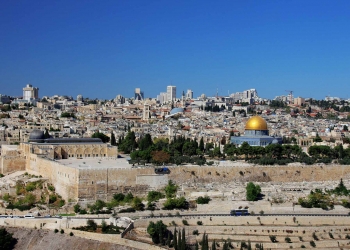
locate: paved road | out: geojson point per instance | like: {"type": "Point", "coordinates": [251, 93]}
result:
{"type": "Point", "coordinates": [256, 215]}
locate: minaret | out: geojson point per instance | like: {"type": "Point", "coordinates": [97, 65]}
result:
{"type": "Point", "coordinates": [146, 111]}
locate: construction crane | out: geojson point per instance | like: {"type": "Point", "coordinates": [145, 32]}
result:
{"type": "Point", "coordinates": [290, 96]}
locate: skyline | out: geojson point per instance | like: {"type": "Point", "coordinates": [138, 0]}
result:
{"type": "Point", "coordinates": [103, 49]}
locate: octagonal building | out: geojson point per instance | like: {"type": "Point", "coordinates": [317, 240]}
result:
{"type": "Point", "coordinates": [256, 133]}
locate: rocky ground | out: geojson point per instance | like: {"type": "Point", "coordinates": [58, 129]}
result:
{"type": "Point", "coordinates": [35, 239]}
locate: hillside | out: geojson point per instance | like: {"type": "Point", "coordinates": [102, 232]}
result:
{"type": "Point", "coordinates": [35, 239]}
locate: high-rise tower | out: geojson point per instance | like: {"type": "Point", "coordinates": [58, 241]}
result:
{"type": "Point", "coordinates": [171, 93]}
{"type": "Point", "coordinates": [30, 93]}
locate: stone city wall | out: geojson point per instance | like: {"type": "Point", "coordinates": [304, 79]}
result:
{"type": "Point", "coordinates": [294, 173]}
{"type": "Point", "coordinates": [155, 181]}
{"type": "Point", "coordinates": [10, 164]}
{"type": "Point", "coordinates": [65, 179]}
{"type": "Point", "coordinates": [102, 183]}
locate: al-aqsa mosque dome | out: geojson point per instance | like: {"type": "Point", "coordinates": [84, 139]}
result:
{"type": "Point", "coordinates": [256, 134]}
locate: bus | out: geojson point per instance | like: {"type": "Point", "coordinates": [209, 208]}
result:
{"type": "Point", "coordinates": [239, 212]}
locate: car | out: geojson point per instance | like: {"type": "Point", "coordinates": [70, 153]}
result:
{"type": "Point", "coordinates": [29, 216]}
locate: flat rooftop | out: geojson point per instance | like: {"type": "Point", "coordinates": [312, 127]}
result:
{"type": "Point", "coordinates": [96, 163]}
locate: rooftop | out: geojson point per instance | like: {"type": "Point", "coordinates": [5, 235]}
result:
{"type": "Point", "coordinates": [96, 163]}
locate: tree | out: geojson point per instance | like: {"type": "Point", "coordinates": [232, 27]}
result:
{"type": "Point", "coordinates": [201, 144]}
{"type": "Point", "coordinates": [29, 199]}
{"type": "Point", "coordinates": [104, 138]}
{"type": "Point", "coordinates": [129, 143]}
{"type": "Point", "coordinates": [175, 239]}
{"type": "Point", "coordinates": [158, 231]}
{"type": "Point", "coordinates": [91, 224]}
{"type": "Point", "coordinates": [253, 191]}
{"type": "Point", "coordinates": [160, 157]}
{"type": "Point", "coordinates": [104, 226]}
{"type": "Point", "coordinates": [245, 149]}
{"type": "Point", "coordinates": [205, 243]}
{"type": "Point", "coordinates": [203, 200]}
{"type": "Point", "coordinates": [113, 141]}
{"type": "Point", "coordinates": [171, 189]}
{"type": "Point", "coordinates": [128, 197]}
{"type": "Point", "coordinates": [317, 138]}
{"type": "Point", "coordinates": [7, 242]}
{"type": "Point", "coordinates": [189, 148]}
{"type": "Point", "coordinates": [137, 204]}
{"type": "Point", "coordinates": [216, 152]}
{"type": "Point", "coordinates": [67, 115]}
{"type": "Point", "coordinates": [154, 196]}
{"type": "Point", "coordinates": [146, 142]}
{"type": "Point", "coordinates": [77, 208]}
{"type": "Point", "coordinates": [172, 203]}
{"type": "Point", "coordinates": [119, 197]}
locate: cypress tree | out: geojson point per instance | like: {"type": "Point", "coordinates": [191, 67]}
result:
{"type": "Point", "coordinates": [183, 243]}
{"type": "Point", "coordinates": [196, 246]}
{"type": "Point", "coordinates": [249, 245]}
{"type": "Point", "coordinates": [175, 239]}
{"type": "Point", "coordinates": [213, 245]}
{"type": "Point", "coordinates": [201, 144]}
{"type": "Point", "coordinates": [113, 142]}
{"type": "Point", "coordinates": [225, 247]}
{"type": "Point", "coordinates": [203, 242]}
{"type": "Point", "coordinates": [168, 240]}
{"type": "Point", "coordinates": [179, 240]}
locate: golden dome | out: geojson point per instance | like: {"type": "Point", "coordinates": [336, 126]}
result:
{"type": "Point", "coordinates": [256, 123]}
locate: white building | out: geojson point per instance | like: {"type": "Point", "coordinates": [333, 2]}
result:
{"type": "Point", "coordinates": [189, 94]}
{"type": "Point", "coordinates": [162, 97]}
{"type": "Point", "coordinates": [171, 93]}
{"type": "Point", "coordinates": [30, 93]}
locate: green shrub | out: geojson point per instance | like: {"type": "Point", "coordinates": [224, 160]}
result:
{"type": "Point", "coordinates": [56, 230]}
{"type": "Point", "coordinates": [52, 198]}
{"type": "Point", "coordinates": [331, 235]}
{"type": "Point", "coordinates": [199, 223]}
{"type": "Point", "coordinates": [185, 222]}
{"type": "Point", "coordinates": [154, 196]}
{"type": "Point", "coordinates": [71, 234]}
{"type": "Point", "coordinates": [127, 210]}
{"type": "Point", "coordinates": [273, 238]}
{"type": "Point", "coordinates": [203, 200]}
{"type": "Point", "coordinates": [288, 240]}
{"type": "Point", "coordinates": [195, 232]}
{"type": "Point", "coordinates": [312, 243]}
{"type": "Point", "coordinates": [172, 203]}
{"type": "Point", "coordinates": [62, 231]}
{"type": "Point", "coordinates": [30, 186]}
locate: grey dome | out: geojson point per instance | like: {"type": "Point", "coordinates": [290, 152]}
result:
{"type": "Point", "coordinates": [176, 110]}
{"type": "Point", "coordinates": [36, 135]}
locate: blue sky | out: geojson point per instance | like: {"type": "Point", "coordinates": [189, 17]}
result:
{"type": "Point", "coordinates": [103, 48]}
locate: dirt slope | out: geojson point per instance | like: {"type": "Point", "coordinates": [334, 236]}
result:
{"type": "Point", "coordinates": [35, 239]}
